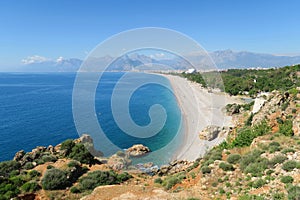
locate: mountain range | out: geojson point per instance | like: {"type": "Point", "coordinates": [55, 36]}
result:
{"type": "Point", "coordinates": [224, 59]}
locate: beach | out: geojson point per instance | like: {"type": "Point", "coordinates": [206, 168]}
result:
{"type": "Point", "coordinates": [199, 108]}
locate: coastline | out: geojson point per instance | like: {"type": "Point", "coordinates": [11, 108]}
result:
{"type": "Point", "coordinates": [199, 108]}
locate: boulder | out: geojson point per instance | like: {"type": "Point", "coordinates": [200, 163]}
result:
{"type": "Point", "coordinates": [88, 142]}
{"type": "Point", "coordinates": [19, 155]}
{"type": "Point", "coordinates": [296, 125]}
{"type": "Point", "coordinates": [138, 150]}
{"type": "Point", "coordinates": [117, 163]}
{"type": "Point", "coordinates": [212, 132]}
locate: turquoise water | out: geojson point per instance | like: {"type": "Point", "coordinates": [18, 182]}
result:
{"type": "Point", "coordinates": [36, 109]}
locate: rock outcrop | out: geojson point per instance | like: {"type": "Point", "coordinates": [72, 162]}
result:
{"type": "Point", "coordinates": [212, 132]}
{"type": "Point", "coordinates": [88, 142]}
{"type": "Point", "coordinates": [117, 162]}
{"type": "Point", "coordinates": [296, 125]}
{"type": "Point", "coordinates": [137, 150]}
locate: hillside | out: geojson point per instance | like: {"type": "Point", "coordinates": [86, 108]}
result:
{"type": "Point", "coordinates": [253, 81]}
{"type": "Point", "coordinates": [260, 159]}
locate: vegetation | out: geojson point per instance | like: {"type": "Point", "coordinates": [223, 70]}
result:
{"type": "Point", "coordinates": [233, 158]}
{"type": "Point", "coordinates": [97, 178]}
{"type": "Point", "coordinates": [226, 166]}
{"type": "Point", "coordinates": [238, 81]}
{"type": "Point", "coordinates": [55, 179]}
{"type": "Point", "coordinates": [77, 151]}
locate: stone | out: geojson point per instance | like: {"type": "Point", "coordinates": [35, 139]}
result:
{"type": "Point", "coordinates": [296, 125]}
{"type": "Point", "coordinates": [137, 150]}
{"type": "Point", "coordinates": [212, 132]}
{"type": "Point", "coordinates": [118, 163]}
{"type": "Point", "coordinates": [19, 155]}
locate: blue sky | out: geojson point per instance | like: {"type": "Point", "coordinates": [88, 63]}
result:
{"type": "Point", "coordinates": [53, 28]}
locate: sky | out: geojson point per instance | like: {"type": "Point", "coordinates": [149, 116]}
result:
{"type": "Point", "coordinates": [71, 29]}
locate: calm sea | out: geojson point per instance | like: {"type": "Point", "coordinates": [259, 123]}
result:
{"type": "Point", "coordinates": [36, 110]}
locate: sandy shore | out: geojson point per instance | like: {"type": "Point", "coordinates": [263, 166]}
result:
{"type": "Point", "coordinates": [200, 108]}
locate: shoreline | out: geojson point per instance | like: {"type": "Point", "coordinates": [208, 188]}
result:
{"type": "Point", "coordinates": [199, 108]}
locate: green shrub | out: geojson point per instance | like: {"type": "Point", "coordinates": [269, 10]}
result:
{"type": "Point", "coordinates": [288, 150]}
{"type": "Point", "coordinates": [249, 158]}
{"type": "Point", "coordinates": [205, 170]}
{"type": "Point", "coordinates": [258, 183]}
{"type": "Point", "coordinates": [34, 174]}
{"type": "Point", "coordinates": [74, 163]}
{"type": "Point", "coordinates": [7, 167]}
{"type": "Point", "coordinates": [233, 158]}
{"type": "Point", "coordinates": [277, 159]}
{"type": "Point", "coordinates": [30, 186]}
{"type": "Point", "coordinates": [158, 180]}
{"type": "Point", "coordinates": [278, 196]}
{"type": "Point", "coordinates": [293, 192]}
{"type": "Point", "coordinates": [49, 158]}
{"type": "Point", "coordinates": [81, 154]}
{"type": "Point", "coordinates": [284, 106]}
{"type": "Point", "coordinates": [289, 165]}
{"type": "Point", "coordinates": [50, 167]}
{"type": "Point", "coordinates": [258, 167]}
{"type": "Point", "coordinates": [172, 181]}
{"type": "Point", "coordinates": [214, 184]}
{"type": "Point", "coordinates": [286, 128]}
{"type": "Point", "coordinates": [28, 165]}
{"type": "Point", "coordinates": [74, 190]}
{"type": "Point", "coordinates": [269, 172]}
{"type": "Point", "coordinates": [55, 179]}
{"type": "Point", "coordinates": [287, 179]}
{"type": "Point", "coordinates": [97, 178]}
{"type": "Point", "coordinates": [274, 144]}
{"type": "Point", "coordinates": [226, 166]}
{"type": "Point", "coordinates": [67, 146]}
{"type": "Point", "coordinates": [251, 197]}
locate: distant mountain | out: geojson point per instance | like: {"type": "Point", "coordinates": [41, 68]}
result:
{"type": "Point", "coordinates": [244, 59]}
{"type": "Point", "coordinates": [223, 59]}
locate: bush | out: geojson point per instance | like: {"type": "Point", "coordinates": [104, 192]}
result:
{"type": "Point", "coordinates": [97, 178]}
{"type": "Point", "coordinates": [172, 181]}
{"type": "Point", "coordinates": [74, 163]}
{"type": "Point", "coordinates": [48, 158]}
{"type": "Point", "coordinates": [50, 167]}
{"type": "Point", "coordinates": [55, 179]}
{"type": "Point", "coordinates": [293, 192]}
{"type": "Point", "coordinates": [226, 166]}
{"type": "Point", "coordinates": [247, 135]}
{"type": "Point", "coordinates": [81, 154]}
{"type": "Point", "coordinates": [233, 158]}
{"type": "Point", "coordinates": [278, 196]}
{"type": "Point", "coordinates": [158, 180]}
{"type": "Point", "coordinates": [7, 167]}
{"type": "Point", "coordinates": [277, 159]}
{"type": "Point", "coordinates": [249, 158]}
{"type": "Point", "coordinates": [286, 128]}
{"type": "Point", "coordinates": [289, 165]}
{"type": "Point", "coordinates": [258, 183]}
{"type": "Point", "coordinates": [205, 170]}
{"type": "Point", "coordinates": [30, 186]}
{"type": "Point", "coordinates": [28, 165]}
{"type": "Point", "coordinates": [34, 174]}
{"type": "Point", "coordinates": [287, 179]}
{"type": "Point", "coordinates": [67, 146]}
{"type": "Point", "coordinates": [288, 150]}
{"type": "Point", "coordinates": [74, 190]}
{"type": "Point", "coordinates": [258, 167]}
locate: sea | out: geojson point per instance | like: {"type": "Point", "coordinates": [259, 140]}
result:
{"type": "Point", "coordinates": [36, 110]}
